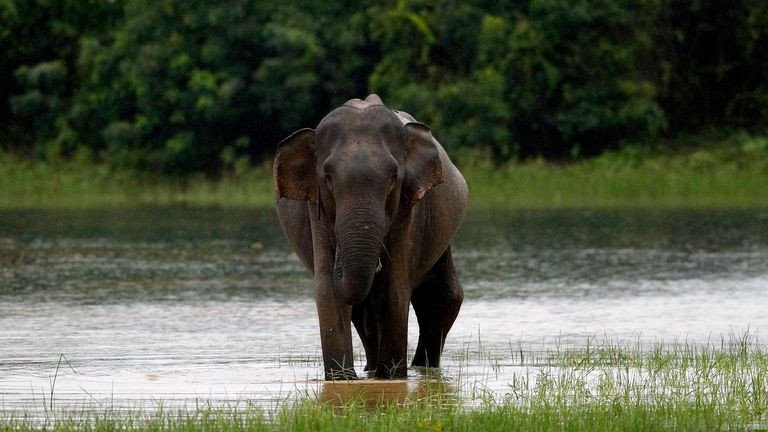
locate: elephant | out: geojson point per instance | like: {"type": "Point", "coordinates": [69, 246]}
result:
{"type": "Point", "coordinates": [370, 202]}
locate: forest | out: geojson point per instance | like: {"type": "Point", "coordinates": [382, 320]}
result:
{"type": "Point", "coordinates": [187, 87]}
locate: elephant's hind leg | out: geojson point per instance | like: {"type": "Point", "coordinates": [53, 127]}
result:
{"type": "Point", "coordinates": [436, 302]}
{"type": "Point", "coordinates": [364, 319]}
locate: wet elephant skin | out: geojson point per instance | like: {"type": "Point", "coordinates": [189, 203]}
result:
{"type": "Point", "coordinates": [370, 202]}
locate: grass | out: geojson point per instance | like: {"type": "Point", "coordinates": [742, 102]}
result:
{"type": "Point", "coordinates": [716, 171]}
{"type": "Point", "coordinates": [74, 184]}
{"type": "Point", "coordinates": [725, 170]}
{"type": "Point", "coordinates": [599, 386]}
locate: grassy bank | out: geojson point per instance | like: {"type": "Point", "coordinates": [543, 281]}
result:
{"type": "Point", "coordinates": [607, 386]}
{"type": "Point", "coordinates": [714, 171]}
{"type": "Point", "coordinates": [70, 184]}
{"type": "Point", "coordinates": [717, 171]}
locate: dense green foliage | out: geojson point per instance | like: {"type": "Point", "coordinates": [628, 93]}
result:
{"type": "Point", "coordinates": [194, 86]}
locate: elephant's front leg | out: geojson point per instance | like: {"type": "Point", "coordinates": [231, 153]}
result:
{"type": "Point", "coordinates": [335, 317]}
{"type": "Point", "coordinates": [335, 331]}
{"type": "Point", "coordinates": [393, 307]}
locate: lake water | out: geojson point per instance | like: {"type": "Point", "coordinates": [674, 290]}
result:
{"type": "Point", "coordinates": [174, 305]}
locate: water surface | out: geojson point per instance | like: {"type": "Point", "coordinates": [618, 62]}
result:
{"type": "Point", "coordinates": [178, 305]}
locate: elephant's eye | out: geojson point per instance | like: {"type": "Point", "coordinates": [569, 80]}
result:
{"type": "Point", "coordinates": [328, 180]}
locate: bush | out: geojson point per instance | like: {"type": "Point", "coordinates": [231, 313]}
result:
{"type": "Point", "coordinates": [192, 86]}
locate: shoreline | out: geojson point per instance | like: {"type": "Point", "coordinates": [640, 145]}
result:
{"type": "Point", "coordinates": [723, 173]}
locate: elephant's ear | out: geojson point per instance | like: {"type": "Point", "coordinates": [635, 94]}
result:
{"type": "Point", "coordinates": [294, 169]}
{"type": "Point", "coordinates": [423, 168]}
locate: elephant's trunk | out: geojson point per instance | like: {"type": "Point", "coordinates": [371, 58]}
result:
{"type": "Point", "coordinates": [359, 235]}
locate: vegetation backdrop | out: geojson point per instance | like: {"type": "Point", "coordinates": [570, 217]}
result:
{"type": "Point", "coordinates": [179, 87]}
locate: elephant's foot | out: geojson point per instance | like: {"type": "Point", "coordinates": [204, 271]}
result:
{"type": "Point", "coordinates": [392, 369]}
{"type": "Point", "coordinates": [347, 374]}
{"type": "Point", "coordinates": [340, 370]}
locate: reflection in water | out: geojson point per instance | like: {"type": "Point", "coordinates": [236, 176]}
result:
{"type": "Point", "coordinates": [181, 304]}
{"type": "Point", "coordinates": [419, 387]}
{"type": "Point", "coordinates": [369, 392]}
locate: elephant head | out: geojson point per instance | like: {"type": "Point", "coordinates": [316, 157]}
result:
{"type": "Point", "coordinates": [364, 166]}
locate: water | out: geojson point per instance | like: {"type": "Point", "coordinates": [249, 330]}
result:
{"type": "Point", "coordinates": [172, 306]}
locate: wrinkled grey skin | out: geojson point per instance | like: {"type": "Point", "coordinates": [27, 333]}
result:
{"type": "Point", "coordinates": [370, 202]}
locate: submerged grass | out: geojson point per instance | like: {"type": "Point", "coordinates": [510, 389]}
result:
{"type": "Point", "coordinates": [725, 170]}
{"type": "Point", "coordinates": [596, 386]}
